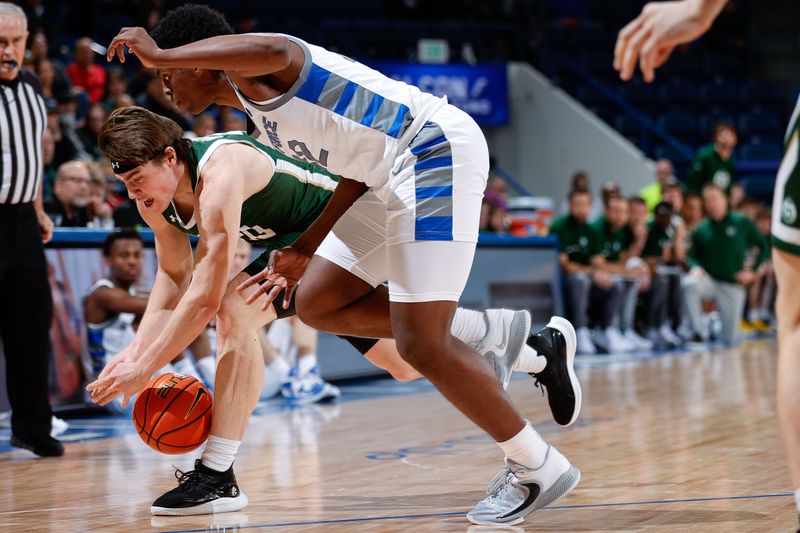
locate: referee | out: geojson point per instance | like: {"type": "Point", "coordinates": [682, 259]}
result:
{"type": "Point", "coordinates": [25, 301]}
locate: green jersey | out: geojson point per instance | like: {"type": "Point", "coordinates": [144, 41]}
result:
{"type": "Point", "coordinates": [657, 238]}
{"type": "Point", "coordinates": [277, 214]}
{"type": "Point", "coordinates": [612, 242]}
{"type": "Point", "coordinates": [785, 219]}
{"type": "Point", "coordinates": [578, 240]}
{"type": "Point", "coordinates": [721, 247]}
{"type": "Point", "coordinates": [707, 166]}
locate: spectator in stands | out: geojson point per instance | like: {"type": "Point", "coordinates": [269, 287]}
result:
{"type": "Point", "coordinates": [40, 51]}
{"type": "Point", "coordinates": [68, 146]}
{"type": "Point", "coordinates": [486, 210]}
{"type": "Point", "coordinates": [621, 252]}
{"type": "Point", "coordinates": [67, 208]}
{"type": "Point", "coordinates": [737, 197]}
{"type": "Point", "coordinates": [718, 271]}
{"type": "Point", "coordinates": [95, 119]}
{"type": "Point", "coordinates": [154, 99]}
{"type": "Point", "coordinates": [692, 212]}
{"type": "Point", "coordinates": [665, 254]}
{"type": "Point", "coordinates": [498, 219]}
{"type": "Point", "coordinates": [84, 73]}
{"type": "Point", "coordinates": [50, 170]}
{"type": "Point", "coordinates": [55, 89]}
{"type": "Point", "coordinates": [204, 124]}
{"type": "Point", "coordinates": [497, 188]}
{"type": "Point", "coordinates": [98, 211]}
{"type": "Point", "coordinates": [665, 173]}
{"type": "Point", "coordinates": [116, 86]}
{"type": "Point", "coordinates": [714, 163]}
{"type": "Point", "coordinates": [233, 120]}
{"type": "Point", "coordinates": [585, 276]}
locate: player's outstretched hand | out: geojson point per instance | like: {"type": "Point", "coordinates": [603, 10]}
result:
{"type": "Point", "coordinates": [122, 375]}
{"type": "Point", "coordinates": [651, 37]}
{"type": "Point", "coordinates": [286, 267]}
{"type": "Point", "coordinates": [138, 42]}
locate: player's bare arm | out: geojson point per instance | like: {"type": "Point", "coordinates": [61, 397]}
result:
{"type": "Point", "coordinates": [247, 55]}
{"type": "Point", "coordinates": [106, 300]}
{"type": "Point", "coordinates": [287, 265]}
{"type": "Point", "coordinates": [650, 38]}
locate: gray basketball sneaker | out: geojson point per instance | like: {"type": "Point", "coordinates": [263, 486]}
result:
{"type": "Point", "coordinates": [506, 333]}
{"type": "Point", "coordinates": [516, 490]}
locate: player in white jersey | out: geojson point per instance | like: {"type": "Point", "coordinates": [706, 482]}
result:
{"type": "Point", "coordinates": [649, 40]}
{"type": "Point", "coordinates": [406, 211]}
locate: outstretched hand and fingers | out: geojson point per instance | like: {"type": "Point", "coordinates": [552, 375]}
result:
{"type": "Point", "coordinates": [284, 270]}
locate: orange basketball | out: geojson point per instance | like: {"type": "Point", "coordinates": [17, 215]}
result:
{"type": "Point", "coordinates": [172, 414]}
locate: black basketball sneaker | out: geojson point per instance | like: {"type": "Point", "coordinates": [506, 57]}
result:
{"type": "Point", "coordinates": [557, 343]}
{"type": "Point", "coordinates": [201, 491]}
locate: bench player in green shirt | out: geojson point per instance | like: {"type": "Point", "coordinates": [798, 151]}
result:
{"type": "Point", "coordinates": [218, 188]}
{"type": "Point", "coordinates": [586, 278]}
{"type": "Point", "coordinates": [622, 251]}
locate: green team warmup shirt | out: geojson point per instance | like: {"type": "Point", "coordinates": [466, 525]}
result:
{"type": "Point", "coordinates": [612, 243]}
{"type": "Point", "coordinates": [657, 238]}
{"type": "Point", "coordinates": [579, 241]}
{"type": "Point", "coordinates": [720, 247]}
{"type": "Point", "coordinates": [276, 215]}
{"type": "Point", "coordinates": [708, 166]}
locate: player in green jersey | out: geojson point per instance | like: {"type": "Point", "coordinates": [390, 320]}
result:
{"type": "Point", "coordinates": [219, 188]}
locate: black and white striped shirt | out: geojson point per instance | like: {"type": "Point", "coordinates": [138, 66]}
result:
{"type": "Point", "coordinates": [22, 125]}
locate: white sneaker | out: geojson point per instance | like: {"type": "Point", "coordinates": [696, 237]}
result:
{"type": "Point", "coordinates": [506, 333]}
{"type": "Point", "coordinates": [516, 490]}
{"type": "Point", "coordinates": [637, 341]}
{"type": "Point", "coordinates": [310, 388]}
{"type": "Point", "coordinates": [58, 426]}
{"type": "Point", "coordinates": [585, 345]}
{"type": "Point", "coordinates": [669, 336]}
{"type": "Point", "coordinates": [610, 340]}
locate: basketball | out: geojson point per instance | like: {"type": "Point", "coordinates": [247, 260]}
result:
{"type": "Point", "coordinates": [172, 414]}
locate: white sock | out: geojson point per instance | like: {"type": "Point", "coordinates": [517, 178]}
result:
{"type": "Point", "coordinates": [753, 315]}
{"type": "Point", "coordinates": [797, 499]}
{"type": "Point", "coordinates": [529, 361]}
{"type": "Point", "coordinates": [207, 367]}
{"type": "Point", "coordinates": [185, 366]}
{"type": "Point", "coordinates": [306, 363]}
{"type": "Point", "coordinates": [220, 453]}
{"type": "Point", "coordinates": [468, 325]}
{"type": "Point", "coordinates": [526, 447]}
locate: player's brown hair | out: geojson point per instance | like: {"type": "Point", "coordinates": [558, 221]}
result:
{"type": "Point", "coordinates": [136, 135]}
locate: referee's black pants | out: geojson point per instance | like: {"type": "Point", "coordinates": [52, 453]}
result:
{"type": "Point", "coordinates": [26, 310]}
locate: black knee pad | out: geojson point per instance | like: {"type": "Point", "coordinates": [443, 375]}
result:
{"type": "Point", "coordinates": [360, 343]}
{"type": "Point", "coordinates": [277, 303]}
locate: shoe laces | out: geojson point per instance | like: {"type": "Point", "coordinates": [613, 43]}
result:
{"type": "Point", "coordinates": [538, 384]}
{"type": "Point", "coordinates": [500, 481]}
{"type": "Point", "coordinates": [189, 478]}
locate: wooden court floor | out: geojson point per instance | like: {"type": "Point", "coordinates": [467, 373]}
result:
{"type": "Point", "coordinates": [682, 442]}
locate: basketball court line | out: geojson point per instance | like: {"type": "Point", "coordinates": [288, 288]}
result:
{"type": "Point", "coordinates": [462, 513]}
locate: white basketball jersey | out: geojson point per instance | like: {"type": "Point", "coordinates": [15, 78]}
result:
{"type": "Point", "coordinates": [342, 115]}
{"type": "Point", "coordinates": [114, 334]}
